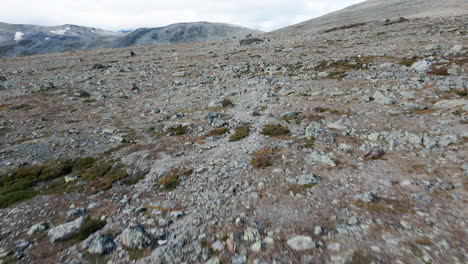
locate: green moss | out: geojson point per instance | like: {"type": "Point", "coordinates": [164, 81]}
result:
{"type": "Point", "coordinates": [26, 182]}
{"type": "Point", "coordinates": [98, 170]}
{"type": "Point", "coordinates": [19, 185]}
{"type": "Point", "coordinates": [274, 130]}
{"type": "Point", "coordinates": [240, 132]}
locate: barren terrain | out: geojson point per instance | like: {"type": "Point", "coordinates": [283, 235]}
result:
{"type": "Point", "coordinates": [347, 146]}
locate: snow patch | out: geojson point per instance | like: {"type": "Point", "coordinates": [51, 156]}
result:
{"type": "Point", "coordinates": [47, 38]}
{"type": "Point", "coordinates": [60, 31]}
{"type": "Point", "coordinates": [19, 36]}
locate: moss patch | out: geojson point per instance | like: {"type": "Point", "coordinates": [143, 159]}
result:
{"type": "Point", "coordinates": [386, 206]}
{"type": "Point", "coordinates": [274, 130]}
{"type": "Point", "coordinates": [178, 130]}
{"type": "Point", "coordinates": [47, 178]}
{"type": "Point", "coordinates": [171, 180]}
{"type": "Point", "coordinates": [218, 132]}
{"type": "Point", "coordinates": [19, 185]}
{"type": "Point", "coordinates": [263, 158]}
{"type": "Point", "coordinates": [240, 133]}
{"type": "Point", "coordinates": [299, 189]}
{"type": "Point", "coordinates": [408, 61]}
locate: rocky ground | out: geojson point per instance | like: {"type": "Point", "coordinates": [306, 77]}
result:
{"type": "Point", "coordinates": [347, 146]}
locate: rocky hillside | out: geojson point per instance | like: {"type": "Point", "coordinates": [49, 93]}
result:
{"type": "Point", "coordinates": [25, 40]}
{"type": "Point", "coordinates": [347, 146]}
{"type": "Point", "coordinates": [378, 10]}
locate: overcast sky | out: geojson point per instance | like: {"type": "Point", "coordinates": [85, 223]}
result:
{"type": "Point", "coordinates": [116, 15]}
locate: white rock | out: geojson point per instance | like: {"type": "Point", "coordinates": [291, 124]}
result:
{"type": "Point", "coordinates": [421, 66]}
{"type": "Point", "coordinates": [301, 243]}
{"type": "Point", "coordinates": [66, 229]}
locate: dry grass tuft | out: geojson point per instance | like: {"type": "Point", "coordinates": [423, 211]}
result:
{"type": "Point", "coordinates": [240, 133]}
{"type": "Point", "coordinates": [274, 130]}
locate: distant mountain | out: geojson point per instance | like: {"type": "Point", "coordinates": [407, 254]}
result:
{"type": "Point", "coordinates": [371, 10]}
{"type": "Point", "coordinates": [24, 40]}
{"type": "Point", "coordinates": [182, 32]}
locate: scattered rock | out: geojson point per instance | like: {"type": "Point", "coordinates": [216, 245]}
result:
{"type": "Point", "coordinates": [249, 41]}
{"type": "Point", "coordinates": [375, 154]}
{"type": "Point", "coordinates": [301, 243]}
{"type": "Point", "coordinates": [40, 227]}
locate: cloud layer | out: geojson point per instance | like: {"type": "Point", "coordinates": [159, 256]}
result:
{"type": "Point", "coordinates": [265, 15]}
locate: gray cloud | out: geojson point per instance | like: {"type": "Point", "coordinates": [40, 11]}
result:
{"type": "Point", "coordinates": [265, 15]}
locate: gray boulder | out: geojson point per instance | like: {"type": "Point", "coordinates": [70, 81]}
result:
{"type": "Point", "coordinates": [300, 243]}
{"type": "Point", "coordinates": [98, 244]}
{"type": "Point", "coordinates": [64, 230]}
{"type": "Point", "coordinates": [135, 237]}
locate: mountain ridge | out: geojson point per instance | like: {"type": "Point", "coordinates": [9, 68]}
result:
{"type": "Point", "coordinates": [25, 40]}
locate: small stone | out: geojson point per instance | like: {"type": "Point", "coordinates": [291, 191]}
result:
{"type": "Point", "coordinates": [334, 246]}
{"type": "Point", "coordinates": [368, 197]}
{"type": "Point", "coordinates": [256, 247]}
{"type": "Point", "coordinates": [421, 66]}
{"type": "Point", "coordinates": [218, 246]}
{"type": "Point", "coordinates": [181, 74]}
{"type": "Point", "coordinates": [251, 235]}
{"type": "Point", "coordinates": [318, 230]}
{"type": "Point", "coordinates": [3, 79]}
{"type": "Point", "coordinates": [301, 243]}
{"type": "Point", "coordinates": [38, 228]}
{"type": "Point", "coordinates": [71, 178]}
{"type": "Point", "coordinates": [76, 211]}
{"type": "Point", "coordinates": [353, 221]}
{"type": "Point", "coordinates": [374, 154]}
{"type": "Point", "coordinates": [315, 157]}
{"type": "Point", "coordinates": [98, 66]}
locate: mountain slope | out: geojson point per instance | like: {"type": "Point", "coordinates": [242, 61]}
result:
{"type": "Point", "coordinates": [24, 40]}
{"type": "Point", "coordinates": [182, 32]}
{"type": "Point", "coordinates": [380, 9]}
